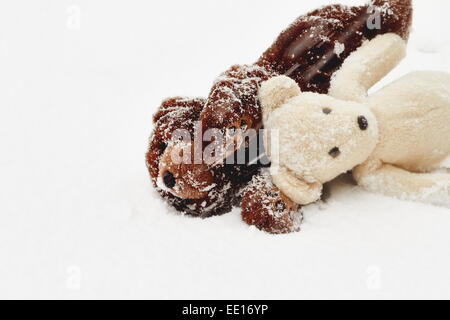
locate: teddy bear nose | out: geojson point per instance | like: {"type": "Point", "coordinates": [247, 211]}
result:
{"type": "Point", "coordinates": [363, 123]}
{"type": "Point", "coordinates": [169, 180]}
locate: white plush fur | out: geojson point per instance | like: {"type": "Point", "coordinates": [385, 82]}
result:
{"type": "Point", "coordinates": [408, 132]}
{"type": "Point", "coordinates": [366, 66]}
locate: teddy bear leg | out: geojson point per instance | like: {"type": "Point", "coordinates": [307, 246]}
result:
{"type": "Point", "coordinates": [392, 181]}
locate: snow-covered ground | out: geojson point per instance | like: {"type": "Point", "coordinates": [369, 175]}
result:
{"type": "Point", "coordinates": [79, 81]}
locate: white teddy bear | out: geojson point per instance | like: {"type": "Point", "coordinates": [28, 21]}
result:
{"type": "Point", "coordinates": [391, 140]}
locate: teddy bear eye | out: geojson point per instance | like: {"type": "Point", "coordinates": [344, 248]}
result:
{"type": "Point", "coordinates": [169, 180]}
{"type": "Point", "coordinates": [326, 110]}
{"type": "Point", "coordinates": [335, 152]}
{"type": "Point", "coordinates": [163, 146]}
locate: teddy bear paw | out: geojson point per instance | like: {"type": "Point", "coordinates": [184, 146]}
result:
{"type": "Point", "coordinates": [268, 209]}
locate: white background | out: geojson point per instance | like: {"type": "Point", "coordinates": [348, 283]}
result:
{"type": "Point", "coordinates": [79, 81]}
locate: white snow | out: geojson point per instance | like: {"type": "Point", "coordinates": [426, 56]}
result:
{"type": "Point", "coordinates": [78, 217]}
{"type": "Point", "coordinates": [339, 48]}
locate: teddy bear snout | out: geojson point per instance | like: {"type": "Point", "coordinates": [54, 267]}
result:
{"type": "Point", "coordinates": [363, 123]}
{"type": "Point", "coordinates": [181, 176]}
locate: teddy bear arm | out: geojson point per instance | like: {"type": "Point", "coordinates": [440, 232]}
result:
{"type": "Point", "coordinates": [396, 182]}
{"type": "Point", "coordinates": [366, 66]}
{"type": "Point", "coordinates": [268, 209]}
{"type": "Point", "coordinates": [296, 189]}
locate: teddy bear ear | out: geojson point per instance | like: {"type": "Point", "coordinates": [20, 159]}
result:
{"type": "Point", "coordinates": [314, 47]}
{"type": "Point", "coordinates": [175, 104]}
{"type": "Point", "coordinates": [276, 92]}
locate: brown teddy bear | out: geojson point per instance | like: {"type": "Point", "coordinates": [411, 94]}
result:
{"type": "Point", "coordinates": [310, 51]}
